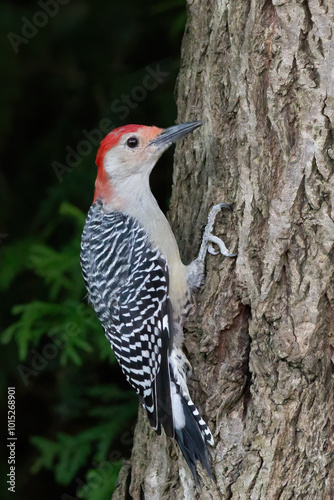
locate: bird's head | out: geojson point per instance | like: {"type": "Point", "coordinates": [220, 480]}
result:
{"type": "Point", "coordinates": [132, 151]}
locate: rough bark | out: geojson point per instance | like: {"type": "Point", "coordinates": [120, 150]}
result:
{"type": "Point", "coordinates": [260, 75]}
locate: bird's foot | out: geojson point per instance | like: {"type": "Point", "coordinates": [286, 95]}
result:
{"type": "Point", "coordinates": [209, 239]}
{"type": "Point", "coordinates": [195, 270]}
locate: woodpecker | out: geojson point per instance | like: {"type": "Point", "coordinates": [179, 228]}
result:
{"type": "Point", "coordinates": [138, 285]}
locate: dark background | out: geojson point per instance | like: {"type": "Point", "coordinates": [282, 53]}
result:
{"type": "Point", "coordinates": [61, 74]}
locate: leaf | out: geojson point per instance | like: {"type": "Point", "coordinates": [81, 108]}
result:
{"type": "Point", "coordinates": [100, 482]}
{"type": "Point", "coordinates": [74, 212]}
{"type": "Point", "coordinates": [68, 453]}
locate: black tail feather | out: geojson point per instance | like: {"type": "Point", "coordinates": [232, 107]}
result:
{"type": "Point", "coordinates": [191, 442]}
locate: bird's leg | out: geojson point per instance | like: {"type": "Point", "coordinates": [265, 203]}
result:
{"type": "Point", "coordinates": [195, 270]}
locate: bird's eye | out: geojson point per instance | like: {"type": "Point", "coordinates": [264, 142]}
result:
{"type": "Point", "coordinates": [132, 142]}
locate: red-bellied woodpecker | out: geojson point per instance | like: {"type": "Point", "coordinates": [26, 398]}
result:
{"type": "Point", "coordinates": [138, 285]}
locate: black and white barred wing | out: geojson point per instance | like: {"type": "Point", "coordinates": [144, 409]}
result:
{"type": "Point", "coordinates": [127, 281]}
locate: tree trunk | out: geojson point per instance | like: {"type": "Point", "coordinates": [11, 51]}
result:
{"type": "Point", "coordinates": [260, 75]}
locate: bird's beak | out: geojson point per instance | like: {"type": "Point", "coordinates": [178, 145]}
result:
{"type": "Point", "coordinates": [170, 134]}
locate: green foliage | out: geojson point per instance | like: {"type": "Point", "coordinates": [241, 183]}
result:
{"type": "Point", "coordinates": [70, 324]}
{"type": "Point", "coordinates": [63, 316]}
{"type": "Point", "coordinates": [98, 487]}
{"type": "Point", "coordinates": [14, 259]}
{"type": "Point", "coordinates": [62, 82]}
{"type": "Point", "coordinates": [69, 453]}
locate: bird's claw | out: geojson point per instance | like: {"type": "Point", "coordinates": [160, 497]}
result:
{"type": "Point", "coordinates": [209, 238]}
{"type": "Point", "coordinates": [224, 205]}
{"type": "Point", "coordinates": [222, 247]}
